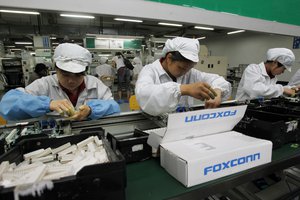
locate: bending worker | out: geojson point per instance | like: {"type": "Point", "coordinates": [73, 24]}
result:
{"type": "Point", "coordinates": [259, 80]}
{"type": "Point", "coordinates": [70, 92]}
{"type": "Point", "coordinates": [171, 80]}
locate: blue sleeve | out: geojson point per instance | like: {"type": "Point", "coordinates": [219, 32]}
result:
{"type": "Point", "coordinates": [102, 108]}
{"type": "Point", "coordinates": [17, 105]}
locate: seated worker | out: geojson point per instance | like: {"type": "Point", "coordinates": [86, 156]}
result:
{"type": "Point", "coordinates": [171, 80]}
{"type": "Point", "coordinates": [69, 88]}
{"type": "Point", "coordinates": [40, 71]}
{"type": "Point", "coordinates": [138, 66]}
{"type": "Point", "coordinates": [105, 72]}
{"type": "Point", "coordinates": [259, 80]}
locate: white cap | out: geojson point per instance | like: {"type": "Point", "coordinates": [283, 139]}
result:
{"type": "Point", "coordinates": [188, 48]}
{"type": "Point", "coordinates": [72, 57]}
{"type": "Point", "coordinates": [103, 60]}
{"type": "Point", "coordinates": [282, 55]}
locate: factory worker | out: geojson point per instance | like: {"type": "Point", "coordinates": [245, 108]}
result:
{"type": "Point", "coordinates": [171, 80]}
{"type": "Point", "coordinates": [295, 80]}
{"type": "Point", "coordinates": [105, 72]}
{"type": "Point", "coordinates": [69, 92]}
{"type": "Point", "coordinates": [259, 80]}
{"type": "Point", "coordinates": [138, 66]}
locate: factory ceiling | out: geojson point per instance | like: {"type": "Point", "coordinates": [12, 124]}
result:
{"type": "Point", "coordinates": [21, 27]}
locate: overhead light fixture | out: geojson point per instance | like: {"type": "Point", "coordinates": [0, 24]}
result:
{"type": "Point", "coordinates": [128, 20]}
{"type": "Point", "coordinates": [52, 38]}
{"type": "Point", "coordinates": [234, 32]}
{"type": "Point", "coordinates": [10, 46]}
{"type": "Point", "coordinates": [23, 42]}
{"type": "Point", "coordinates": [15, 49]}
{"type": "Point", "coordinates": [77, 16]}
{"type": "Point", "coordinates": [169, 24]}
{"type": "Point", "coordinates": [204, 28]}
{"type": "Point", "coordinates": [201, 38]}
{"type": "Point", "coordinates": [171, 36]}
{"type": "Point", "coordinates": [104, 55]}
{"type": "Point", "coordinates": [20, 12]}
{"type": "Point", "coordinates": [55, 43]}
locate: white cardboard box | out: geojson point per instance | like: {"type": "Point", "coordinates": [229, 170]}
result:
{"type": "Point", "coordinates": [202, 159]}
{"type": "Point", "coordinates": [199, 146]}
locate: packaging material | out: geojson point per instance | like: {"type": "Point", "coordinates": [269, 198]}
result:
{"type": "Point", "coordinates": [198, 160]}
{"type": "Point", "coordinates": [133, 146]}
{"type": "Point", "coordinates": [199, 146]}
{"type": "Point", "coordinates": [95, 181]}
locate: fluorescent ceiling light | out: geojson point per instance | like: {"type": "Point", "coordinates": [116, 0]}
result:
{"type": "Point", "coordinates": [171, 36]}
{"type": "Point", "coordinates": [52, 38]}
{"type": "Point", "coordinates": [201, 38]}
{"type": "Point", "coordinates": [169, 24]}
{"type": "Point", "coordinates": [204, 28]}
{"type": "Point", "coordinates": [23, 42]}
{"type": "Point", "coordinates": [15, 49]}
{"type": "Point", "coordinates": [32, 53]}
{"type": "Point", "coordinates": [55, 43]}
{"type": "Point", "coordinates": [104, 55]}
{"type": "Point", "coordinates": [10, 46]}
{"type": "Point", "coordinates": [77, 16]}
{"type": "Point", "coordinates": [234, 32]}
{"type": "Point", "coordinates": [20, 12]}
{"type": "Point", "coordinates": [128, 20]}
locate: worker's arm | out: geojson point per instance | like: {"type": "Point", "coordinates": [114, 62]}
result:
{"type": "Point", "coordinates": [255, 85]}
{"type": "Point", "coordinates": [100, 108]}
{"type": "Point", "coordinates": [17, 105]}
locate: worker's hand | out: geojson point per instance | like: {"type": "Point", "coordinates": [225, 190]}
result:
{"type": "Point", "coordinates": [63, 107]}
{"type": "Point", "coordinates": [213, 103]}
{"type": "Point", "coordinates": [199, 90]}
{"type": "Point", "coordinates": [289, 92]}
{"type": "Point", "coordinates": [82, 114]}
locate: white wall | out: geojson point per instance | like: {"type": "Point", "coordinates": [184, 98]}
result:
{"type": "Point", "coordinates": [247, 48]}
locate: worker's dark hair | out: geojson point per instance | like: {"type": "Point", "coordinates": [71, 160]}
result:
{"type": "Point", "coordinates": [271, 61]}
{"type": "Point", "coordinates": [176, 56]}
{"type": "Point", "coordinates": [40, 67]}
{"type": "Point", "coordinates": [119, 54]}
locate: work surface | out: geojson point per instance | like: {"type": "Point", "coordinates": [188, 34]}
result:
{"type": "Point", "coordinates": [148, 180]}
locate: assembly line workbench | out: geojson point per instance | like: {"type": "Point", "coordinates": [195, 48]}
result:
{"type": "Point", "coordinates": [147, 180]}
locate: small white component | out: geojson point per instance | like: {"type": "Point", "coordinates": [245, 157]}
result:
{"type": "Point", "coordinates": [11, 135]}
{"type": "Point", "coordinates": [91, 147]}
{"type": "Point", "coordinates": [61, 148]}
{"type": "Point", "coordinates": [59, 168]}
{"type": "Point", "coordinates": [55, 176]}
{"type": "Point", "coordinates": [33, 153]}
{"type": "Point", "coordinates": [3, 167]}
{"type": "Point", "coordinates": [68, 150]}
{"type": "Point", "coordinates": [101, 157]}
{"type": "Point", "coordinates": [43, 159]}
{"type": "Point", "coordinates": [89, 160]}
{"type": "Point", "coordinates": [23, 132]}
{"type": "Point", "coordinates": [33, 176]}
{"type": "Point", "coordinates": [85, 142]}
{"type": "Point", "coordinates": [27, 167]}
{"type": "Point", "coordinates": [44, 153]}
{"type": "Point", "coordinates": [66, 158]}
{"type": "Point", "coordinates": [97, 141]}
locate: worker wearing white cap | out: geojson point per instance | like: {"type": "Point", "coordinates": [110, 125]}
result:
{"type": "Point", "coordinates": [69, 92]}
{"type": "Point", "coordinates": [259, 80]}
{"type": "Point", "coordinates": [105, 72]}
{"type": "Point", "coordinates": [172, 81]}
